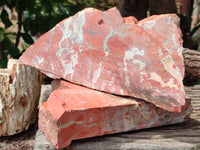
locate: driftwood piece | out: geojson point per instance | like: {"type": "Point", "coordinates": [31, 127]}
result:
{"type": "Point", "coordinates": [192, 64]}
{"type": "Point", "coordinates": [19, 97]}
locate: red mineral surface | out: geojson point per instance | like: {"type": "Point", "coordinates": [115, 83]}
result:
{"type": "Point", "coordinates": [75, 112]}
{"type": "Point", "coordinates": [103, 51]}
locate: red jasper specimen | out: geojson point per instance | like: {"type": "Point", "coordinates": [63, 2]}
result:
{"type": "Point", "coordinates": [103, 51]}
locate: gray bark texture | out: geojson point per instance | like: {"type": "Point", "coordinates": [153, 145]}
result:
{"type": "Point", "coordinates": [192, 63]}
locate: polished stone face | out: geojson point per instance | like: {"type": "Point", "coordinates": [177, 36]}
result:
{"type": "Point", "coordinates": [103, 51]}
{"type": "Point", "coordinates": [75, 112]}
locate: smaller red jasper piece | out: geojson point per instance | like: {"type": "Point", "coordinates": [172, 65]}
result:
{"type": "Point", "coordinates": [75, 112]}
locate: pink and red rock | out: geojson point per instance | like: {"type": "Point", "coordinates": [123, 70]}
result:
{"type": "Point", "coordinates": [76, 112]}
{"type": "Point", "coordinates": [103, 51]}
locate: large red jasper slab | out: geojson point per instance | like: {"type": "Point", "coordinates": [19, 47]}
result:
{"type": "Point", "coordinates": [74, 112]}
{"type": "Point", "coordinates": [103, 51]}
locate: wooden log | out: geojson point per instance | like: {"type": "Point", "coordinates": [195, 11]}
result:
{"type": "Point", "coordinates": [192, 63]}
{"type": "Point", "coordinates": [19, 97]}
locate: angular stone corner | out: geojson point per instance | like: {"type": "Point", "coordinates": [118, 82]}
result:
{"type": "Point", "coordinates": [75, 112]}
{"type": "Point", "coordinates": [19, 97]}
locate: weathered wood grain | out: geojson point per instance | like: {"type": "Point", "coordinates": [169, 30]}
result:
{"type": "Point", "coordinates": [19, 97]}
{"type": "Point", "coordinates": [194, 93]}
{"type": "Point", "coordinates": [192, 63]}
